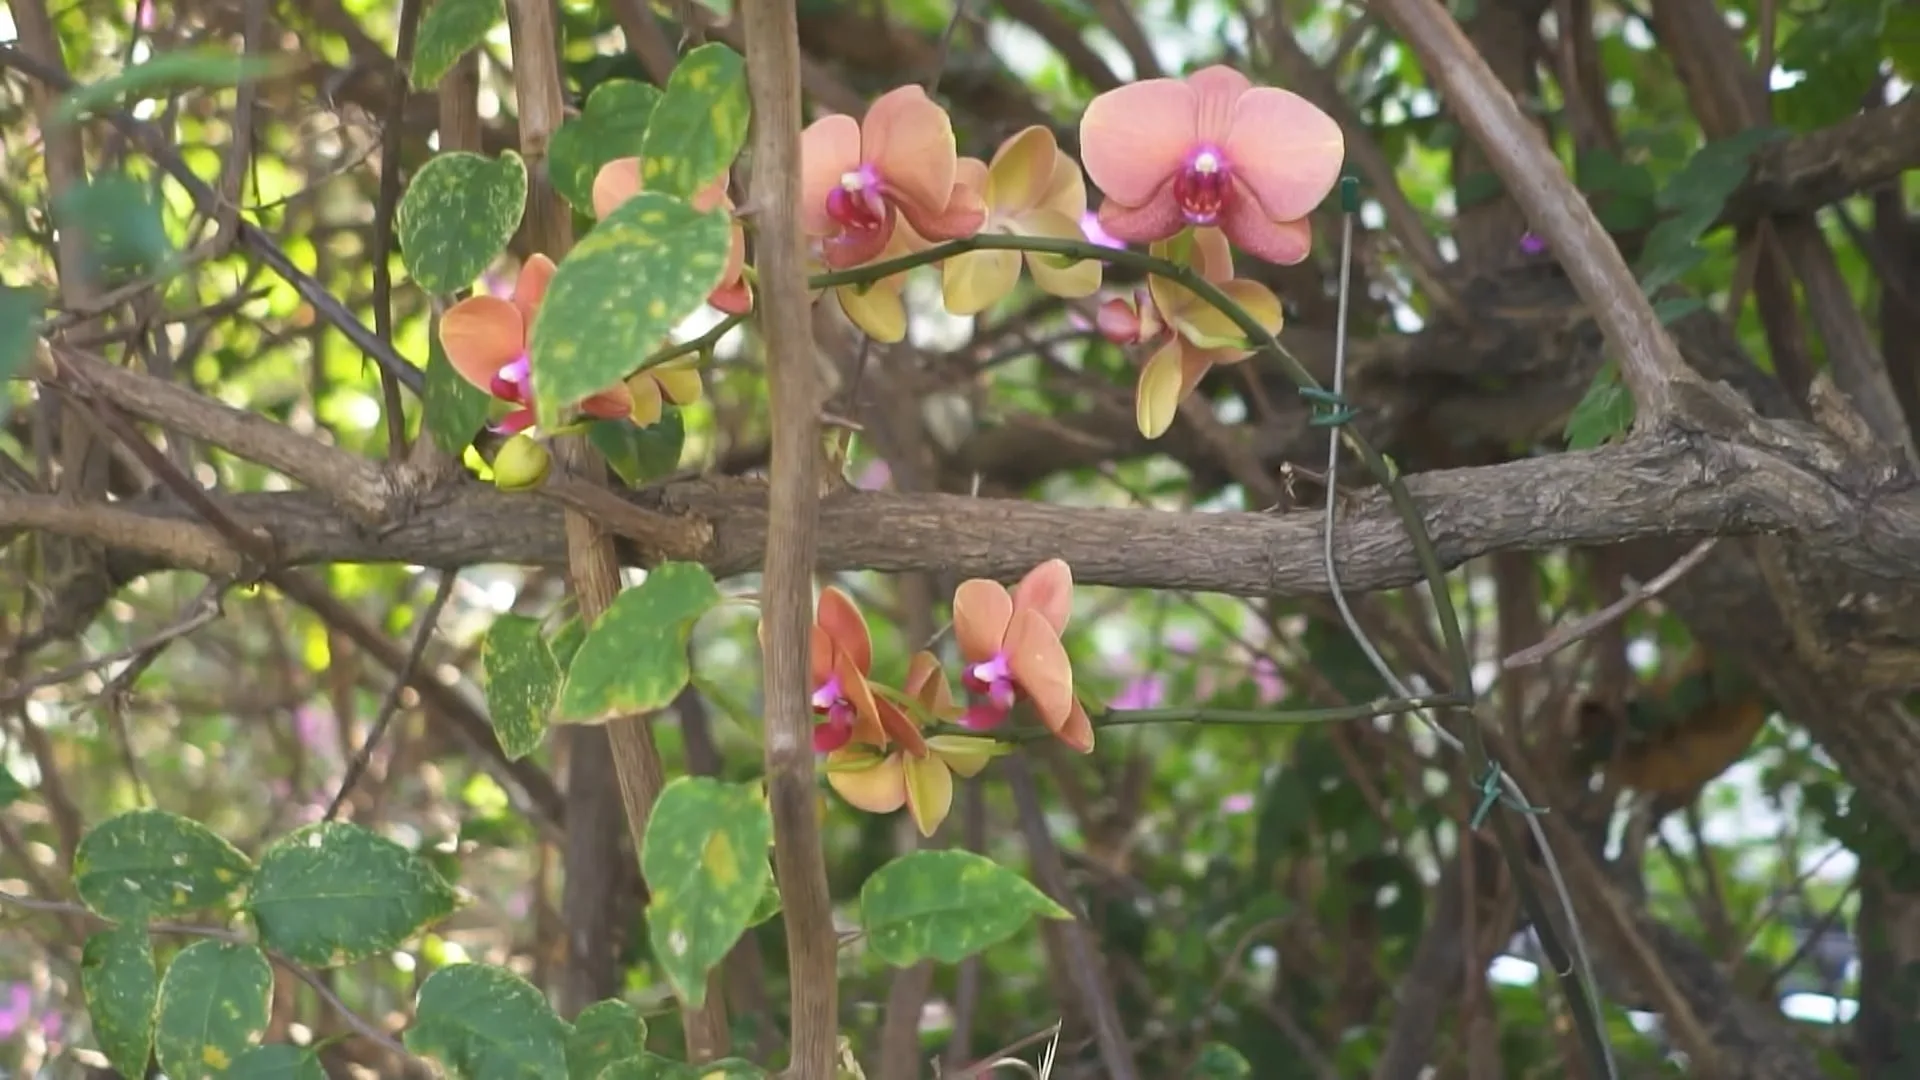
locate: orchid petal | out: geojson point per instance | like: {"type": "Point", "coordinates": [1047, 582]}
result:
{"type": "Point", "coordinates": [1066, 190]}
{"type": "Point", "coordinates": [1216, 92]}
{"type": "Point", "coordinates": [878, 312]}
{"type": "Point", "coordinates": [514, 422]}
{"type": "Point", "coordinates": [1157, 397]}
{"type": "Point", "coordinates": [830, 735]}
{"type": "Point", "coordinates": [1040, 666]}
{"type": "Point", "coordinates": [609, 404]}
{"type": "Point", "coordinates": [1134, 138]}
{"type": "Point", "coordinates": [963, 214]}
{"type": "Point", "coordinates": [616, 182]}
{"type": "Point", "coordinates": [819, 654]}
{"type": "Point", "coordinates": [1047, 589]}
{"type": "Point", "coordinates": [927, 682]}
{"type": "Point", "coordinates": [734, 298]}
{"type": "Point", "coordinates": [1285, 150]}
{"type": "Point", "coordinates": [647, 402]}
{"type": "Point", "coordinates": [974, 281]}
{"type": "Point", "coordinates": [1077, 732]}
{"type": "Point", "coordinates": [1022, 171]}
{"type": "Point", "coordinates": [929, 785]}
{"type": "Point", "coordinates": [899, 727]}
{"type": "Point", "coordinates": [713, 196]}
{"type": "Point", "coordinates": [531, 286]}
{"type": "Point", "coordinates": [1073, 281]}
{"type": "Point", "coordinates": [877, 788]}
{"type": "Point", "coordinates": [908, 139]}
{"type": "Point", "coordinates": [1157, 219]}
{"type": "Point", "coordinates": [829, 149]}
{"type": "Point", "coordinates": [1118, 321]}
{"type": "Point", "coordinates": [854, 686]}
{"type": "Point", "coordinates": [966, 754]}
{"type": "Point", "coordinates": [842, 620]}
{"type": "Point", "coordinates": [679, 382]}
{"type": "Point", "coordinates": [982, 611]}
{"type": "Point", "coordinates": [1211, 255]}
{"type": "Point", "coordinates": [1194, 365]}
{"type": "Point", "coordinates": [1283, 243]}
{"type": "Point", "coordinates": [481, 335]}
{"type": "Point", "coordinates": [971, 172]}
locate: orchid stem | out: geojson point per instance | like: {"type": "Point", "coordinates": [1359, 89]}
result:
{"type": "Point", "coordinates": [1113, 718]}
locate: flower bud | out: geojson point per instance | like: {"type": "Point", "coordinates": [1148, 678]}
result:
{"type": "Point", "coordinates": [521, 464]}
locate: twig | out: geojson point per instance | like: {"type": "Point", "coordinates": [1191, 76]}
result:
{"type": "Point", "coordinates": [383, 210]}
{"type": "Point", "coordinates": [390, 705]}
{"type": "Point", "coordinates": [363, 1027]}
{"type": "Point", "coordinates": [202, 610]}
{"type": "Point", "coordinates": [773, 81]}
{"type": "Point", "coordinates": [1588, 625]}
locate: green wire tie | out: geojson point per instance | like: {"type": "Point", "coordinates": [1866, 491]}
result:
{"type": "Point", "coordinates": [1490, 793]}
{"type": "Point", "coordinates": [1329, 409]}
{"type": "Point", "coordinates": [1349, 194]}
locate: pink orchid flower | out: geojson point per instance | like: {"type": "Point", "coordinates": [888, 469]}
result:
{"type": "Point", "coordinates": [877, 309]}
{"type": "Point", "coordinates": [1191, 334]}
{"type": "Point", "coordinates": [1211, 149]}
{"type": "Point", "coordinates": [880, 782]}
{"type": "Point", "coordinates": [485, 338]}
{"type": "Point", "coordinates": [840, 656]}
{"type": "Point", "coordinates": [859, 178]}
{"type": "Point", "coordinates": [619, 180]}
{"type": "Point", "coordinates": [1011, 645]}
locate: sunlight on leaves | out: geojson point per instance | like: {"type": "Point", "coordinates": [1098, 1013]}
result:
{"type": "Point", "coordinates": [700, 125]}
{"type": "Point", "coordinates": [333, 893]}
{"type": "Point", "coordinates": [479, 1020]}
{"type": "Point", "coordinates": [152, 864]}
{"type": "Point", "coordinates": [634, 659]}
{"type": "Point", "coordinates": [121, 985]}
{"type": "Point", "coordinates": [705, 860]}
{"type": "Point", "coordinates": [946, 906]}
{"type": "Point", "coordinates": [213, 1006]}
{"type": "Point", "coordinates": [646, 267]}
{"type": "Point", "coordinates": [457, 215]}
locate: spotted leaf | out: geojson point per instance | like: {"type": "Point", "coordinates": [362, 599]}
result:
{"type": "Point", "coordinates": [700, 125]}
{"type": "Point", "coordinates": [705, 860]}
{"type": "Point", "coordinates": [946, 905]}
{"type": "Point", "coordinates": [457, 215]}
{"type": "Point", "coordinates": [212, 1008]}
{"type": "Point", "coordinates": [635, 658]}
{"type": "Point", "coordinates": [523, 680]}
{"type": "Point", "coordinates": [332, 893]}
{"type": "Point", "coordinates": [121, 984]}
{"type": "Point", "coordinates": [152, 864]}
{"type": "Point", "coordinates": [481, 1021]}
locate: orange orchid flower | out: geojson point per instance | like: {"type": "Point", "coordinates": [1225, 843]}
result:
{"type": "Point", "coordinates": [619, 180]}
{"type": "Point", "coordinates": [1191, 334]}
{"type": "Point", "coordinates": [1011, 644]}
{"type": "Point", "coordinates": [880, 782]}
{"type": "Point", "coordinates": [485, 338]}
{"type": "Point", "coordinates": [1211, 149]}
{"type": "Point", "coordinates": [840, 656]}
{"type": "Point", "coordinates": [1031, 188]}
{"type": "Point", "coordinates": [859, 178]}
{"type": "Point", "coordinates": [676, 380]}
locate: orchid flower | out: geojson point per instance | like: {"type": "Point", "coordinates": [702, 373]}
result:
{"type": "Point", "coordinates": [1211, 149]}
{"type": "Point", "coordinates": [1191, 334]}
{"type": "Point", "coordinates": [1032, 188]}
{"type": "Point", "coordinates": [485, 338]}
{"type": "Point", "coordinates": [619, 180]}
{"type": "Point", "coordinates": [1011, 645]}
{"type": "Point", "coordinates": [860, 178]}
{"type": "Point", "coordinates": [878, 781]}
{"type": "Point", "coordinates": [677, 381]}
{"type": "Point", "coordinates": [876, 307]}
{"type": "Point", "coordinates": [840, 655]}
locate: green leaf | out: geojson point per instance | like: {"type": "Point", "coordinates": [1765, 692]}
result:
{"type": "Point", "coordinates": [121, 984]}
{"type": "Point", "coordinates": [486, 1023]}
{"type": "Point", "coordinates": [277, 1061]}
{"type": "Point", "coordinates": [177, 70]}
{"type": "Point", "coordinates": [1218, 1061]}
{"type": "Point", "coordinates": [611, 126]}
{"type": "Point", "coordinates": [566, 641]}
{"type": "Point", "coordinates": [457, 215]}
{"type": "Point", "coordinates": [1714, 172]}
{"type": "Point", "coordinates": [123, 233]}
{"type": "Point", "coordinates": [523, 679]}
{"type": "Point", "coordinates": [946, 905]}
{"type": "Point", "coordinates": [1675, 308]}
{"type": "Point", "coordinates": [705, 861]}
{"type": "Point", "coordinates": [20, 312]}
{"type": "Point", "coordinates": [450, 30]}
{"type": "Point", "coordinates": [641, 454]}
{"type": "Point", "coordinates": [616, 297]}
{"type": "Point", "coordinates": [648, 1067]}
{"type": "Point", "coordinates": [634, 659]}
{"type": "Point", "coordinates": [10, 786]}
{"type": "Point", "coordinates": [213, 1005]}
{"type": "Point", "coordinates": [732, 1068]}
{"type": "Point", "coordinates": [332, 893]}
{"type": "Point", "coordinates": [604, 1032]}
{"type": "Point", "coordinates": [769, 904]}
{"type": "Point", "coordinates": [1604, 412]}
{"type": "Point", "coordinates": [455, 409]}
{"type": "Point", "coordinates": [700, 125]}
{"type": "Point", "coordinates": [152, 864]}
{"type": "Point", "coordinates": [1476, 188]}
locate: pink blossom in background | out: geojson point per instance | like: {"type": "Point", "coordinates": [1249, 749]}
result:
{"type": "Point", "coordinates": [519, 903]}
{"type": "Point", "coordinates": [1532, 243]}
{"type": "Point", "coordinates": [1182, 640]}
{"type": "Point", "coordinates": [1269, 687]}
{"type": "Point", "coordinates": [875, 476]}
{"type": "Point", "coordinates": [144, 15]}
{"type": "Point", "coordinates": [51, 1025]}
{"type": "Point", "coordinates": [1145, 692]}
{"type": "Point", "coordinates": [1095, 234]}
{"type": "Point", "coordinates": [16, 1010]}
{"type": "Point", "coordinates": [1237, 803]}
{"type": "Point", "coordinates": [314, 727]}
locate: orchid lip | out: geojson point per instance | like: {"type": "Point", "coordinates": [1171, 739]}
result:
{"type": "Point", "coordinates": [827, 694]}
